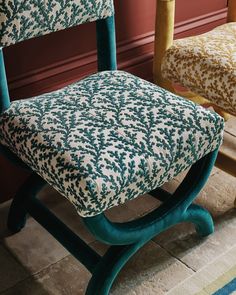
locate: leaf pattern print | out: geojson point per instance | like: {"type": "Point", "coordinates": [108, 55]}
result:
{"type": "Point", "coordinates": [206, 65]}
{"type": "Point", "coordinates": [24, 19]}
{"type": "Point", "coordinates": [109, 138]}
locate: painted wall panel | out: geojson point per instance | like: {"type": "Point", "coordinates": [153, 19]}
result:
{"type": "Point", "coordinates": [187, 9]}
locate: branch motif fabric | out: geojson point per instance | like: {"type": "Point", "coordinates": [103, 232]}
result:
{"type": "Point", "coordinates": [24, 19]}
{"type": "Point", "coordinates": [109, 138]}
{"type": "Point", "coordinates": [206, 65]}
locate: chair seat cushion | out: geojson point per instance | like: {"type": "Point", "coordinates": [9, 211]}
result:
{"type": "Point", "coordinates": [206, 65]}
{"type": "Point", "coordinates": [109, 138]}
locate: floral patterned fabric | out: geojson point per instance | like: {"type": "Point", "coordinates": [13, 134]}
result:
{"type": "Point", "coordinates": [109, 138]}
{"type": "Point", "coordinates": [206, 65]}
{"type": "Point", "coordinates": [25, 19]}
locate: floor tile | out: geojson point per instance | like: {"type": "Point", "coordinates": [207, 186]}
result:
{"type": "Point", "coordinates": [205, 277]}
{"type": "Point", "coordinates": [66, 277]}
{"type": "Point", "coordinates": [66, 212]}
{"type": "Point", "coordinates": [4, 208]}
{"type": "Point", "coordinates": [151, 271]}
{"type": "Point", "coordinates": [229, 144]}
{"type": "Point", "coordinates": [230, 125]}
{"type": "Point", "coordinates": [181, 241]}
{"type": "Point", "coordinates": [122, 213]}
{"type": "Point", "coordinates": [34, 247]}
{"type": "Point", "coordinates": [172, 185]}
{"type": "Point", "coordinates": [11, 271]}
{"type": "Point", "coordinates": [219, 193]}
{"type": "Point", "coordinates": [143, 204]}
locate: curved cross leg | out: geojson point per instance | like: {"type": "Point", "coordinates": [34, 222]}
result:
{"type": "Point", "coordinates": [129, 237]}
{"type": "Point", "coordinates": [17, 213]}
{"type": "Point", "coordinates": [201, 218]}
{"type": "Point", "coordinates": [109, 267]}
{"type": "Point", "coordinates": [125, 238]}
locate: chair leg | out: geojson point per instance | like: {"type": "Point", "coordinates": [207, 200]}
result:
{"type": "Point", "coordinates": [117, 256]}
{"type": "Point", "coordinates": [201, 218]}
{"type": "Point", "coordinates": [109, 267]}
{"type": "Point", "coordinates": [125, 239]}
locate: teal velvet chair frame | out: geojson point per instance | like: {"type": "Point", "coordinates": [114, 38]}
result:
{"type": "Point", "coordinates": [124, 239]}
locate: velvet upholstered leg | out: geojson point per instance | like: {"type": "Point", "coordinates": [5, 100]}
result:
{"type": "Point", "coordinates": [4, 93]}
{"type": "Point", "coordinates": [125, 239]}
{"type": "Point", "coordinates": [106, 44]}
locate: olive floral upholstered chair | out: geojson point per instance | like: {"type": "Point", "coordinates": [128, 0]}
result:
{"type": "Point", "coordinates": [101, 142]}
{"type": "Point", "coordinates": [204, 64]}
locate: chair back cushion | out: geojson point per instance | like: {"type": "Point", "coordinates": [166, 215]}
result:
{"type": "Point", "coordinates": [25, 19]}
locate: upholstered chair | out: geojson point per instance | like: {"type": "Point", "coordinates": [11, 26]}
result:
{"type": "Point", "coordinates": [101, 142]}
{"type": "Point", "coordinates": [205, 65]}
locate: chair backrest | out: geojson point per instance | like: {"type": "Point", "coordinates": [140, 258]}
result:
{"type": "Point", "coordinates": [25, 19]}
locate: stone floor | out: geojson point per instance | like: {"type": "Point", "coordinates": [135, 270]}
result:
{"type": "Point", "coordinates": [175, 262]}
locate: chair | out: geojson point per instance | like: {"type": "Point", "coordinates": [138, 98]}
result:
{"type": "Point", "coordinates": [102, 141]}
{"type": "Point", "coordinates": [203, 64]}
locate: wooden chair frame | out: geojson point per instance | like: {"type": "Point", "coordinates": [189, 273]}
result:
{"type": "Point", "coordinates": [124, 239]}
{"type": "Point", "coordinates": [164, 37]}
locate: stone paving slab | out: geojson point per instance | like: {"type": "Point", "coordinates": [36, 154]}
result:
{"type": "Point", "coordinates": [183, 243]}
{"type": "Point", "coordinates": [148, 272]}
{"type": "Point", "coordinates": [151, 271]}
{"type": "Point", "coordinates": [66, 277]}
{"type": "Point", "coordinates": [230, 125]}
{"type": "Point", "coordinates": [208, 275]}
{"type": "Point", "coordinates": [11, 271]}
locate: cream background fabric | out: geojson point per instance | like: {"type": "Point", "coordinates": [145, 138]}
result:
{"type": "Point", "coordinates": [206, 65]}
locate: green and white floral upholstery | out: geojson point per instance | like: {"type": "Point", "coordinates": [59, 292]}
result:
{"type": "Point", "coordinates": [101, 142]}
{"type": "Point", "coordinates": [109, 138]}
{"type": "Point", "coordinates": [25, 19]}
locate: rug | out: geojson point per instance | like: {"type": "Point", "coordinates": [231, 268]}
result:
{"type": "Point", "coordinates": [216, 278]}
{"type": "Point", "coordinates": [224, 285]}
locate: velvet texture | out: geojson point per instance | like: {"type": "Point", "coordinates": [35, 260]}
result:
{"type": "Point", "coordinates": [4, 94]}
{"type": "Point", "coordinates": [164, 34]}
{"type": "Point", "coordinates": [106, 44]}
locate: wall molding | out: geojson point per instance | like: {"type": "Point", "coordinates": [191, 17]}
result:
{"type": "Point", "coordinates": [201, 23]}
{"type": "Point", "coordinates": [134, 55]}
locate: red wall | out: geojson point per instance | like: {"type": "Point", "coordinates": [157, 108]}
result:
{"type": "Point", "coordinates": [49, 62]}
